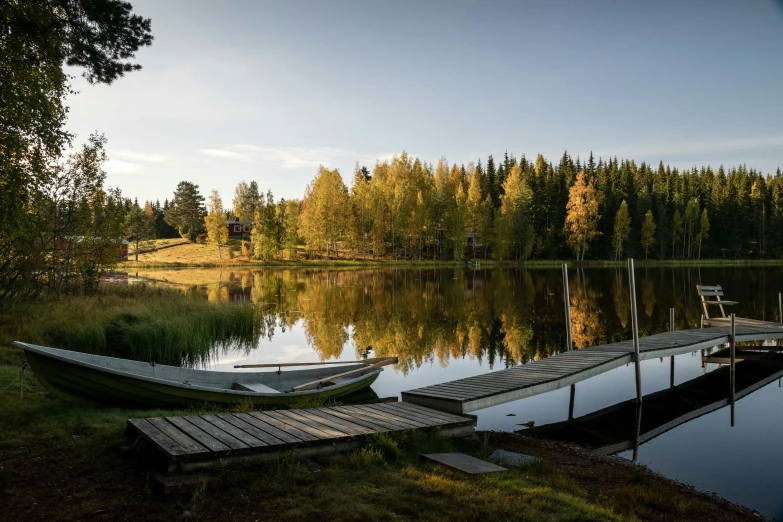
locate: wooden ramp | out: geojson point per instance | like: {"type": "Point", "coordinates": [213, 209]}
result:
{"type": "Point", "coordinates": [200, 441]}
{"type": "Point", "coordinates": [558, 371]}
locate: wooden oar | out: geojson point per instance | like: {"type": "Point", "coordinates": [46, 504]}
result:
{"type": "Point", "coordinates": [315, 384]}
{"type": "Point", "coordinates": [272, 365]}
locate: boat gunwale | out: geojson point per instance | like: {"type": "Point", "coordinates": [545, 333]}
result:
{"type": "Point", "coordinates": [167, 382]}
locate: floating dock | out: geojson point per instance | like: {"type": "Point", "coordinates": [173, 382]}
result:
{"type": "Point", "coordinates": [558, 371]}
{"type": "Point", "coordinates": [190, 443]}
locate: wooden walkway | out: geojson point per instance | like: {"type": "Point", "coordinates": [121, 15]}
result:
{"type": "Point", "coordinates": [197, 441]}
{"type": "Point", "coordinates": [559, 371]}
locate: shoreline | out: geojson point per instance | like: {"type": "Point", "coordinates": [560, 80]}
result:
{"type": "Point", "coordinates": [479, 264]}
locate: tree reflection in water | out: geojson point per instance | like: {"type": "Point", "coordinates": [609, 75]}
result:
{"type": "Point", "coordinates": [433, 316]}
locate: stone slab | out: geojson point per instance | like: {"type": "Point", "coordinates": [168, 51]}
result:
{"type": "Point", "coordinates": [464, 463]}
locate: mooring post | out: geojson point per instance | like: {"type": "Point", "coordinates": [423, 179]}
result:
{"type": "Point", "coordinates": [637, 429]}
{"type": "Point", "coordinates": [635, 331]}
{"type": "Point", "coordinates": [671, 329]}
{"type": "Point", "coordinates": [571, 402]}
{"type": "Point", "coordinates": [732, 351]}
{"type": "Point", "coordinates": [567, 299]}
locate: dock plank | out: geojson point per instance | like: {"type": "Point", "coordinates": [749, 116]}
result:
{"type": "Point", "coordinates": [285, 436]}
{"type": "Point", "coordinates": [283, 426]}
{"type": "Point", "coordinates": [203, 438]}
{"type": "Point", "coordinates": [230, 441]}
{"type": "Point", "coordinates": [159, 439]}
{"type": "Point", "coordinates": [185, 442]}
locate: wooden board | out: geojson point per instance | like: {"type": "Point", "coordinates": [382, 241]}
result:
{"type": "Point", "coordinates": [191, 439]}
{"type": "Point", "coordinates": [464, 463]}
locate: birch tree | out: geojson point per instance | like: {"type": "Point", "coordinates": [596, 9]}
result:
{"type": "Point", "coordinates": [648, 232]}
{"type": "Point", "coordinates": [217, 230]}
{"type": "Point", "coordinates": [581, 223]}
{"type": "Point", "coordinates": [622, 229]}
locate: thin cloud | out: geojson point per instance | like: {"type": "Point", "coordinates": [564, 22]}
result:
{"type": "Point", "coordinates": [694, 147]}
{"type": "Point", "coordinates": [296, 157]}
{"type": "Point", "coordinates": [132, 155]}
{"type": "Point", "coordinates": [114, 166]}
{"type": "Point", "coordinates": [221, 153]}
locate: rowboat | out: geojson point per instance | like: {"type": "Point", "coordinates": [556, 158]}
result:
{"type": "Point", "coordinates": [75, 375]}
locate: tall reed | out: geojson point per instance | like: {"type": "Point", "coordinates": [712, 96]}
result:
{"type": "Point", "coordinates": [159, 325]}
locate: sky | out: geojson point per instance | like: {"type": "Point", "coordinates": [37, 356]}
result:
{"type": "Point", "coordinates": [267, 90]}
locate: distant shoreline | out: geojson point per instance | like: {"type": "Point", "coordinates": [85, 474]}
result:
{"type": "Point", "coordinates": [481, 264]}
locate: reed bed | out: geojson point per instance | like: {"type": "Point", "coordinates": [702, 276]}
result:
{"type": "Point", "coordinates": [160, 325]}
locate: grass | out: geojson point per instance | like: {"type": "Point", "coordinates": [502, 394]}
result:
{"type": "Point", "coordinates": [133, 322]}
{"type": "Point", "coordinates": [185, 254]}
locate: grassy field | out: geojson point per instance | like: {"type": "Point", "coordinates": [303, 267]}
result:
{"type": "Point", "coordinates": [71, 461]}
{"type": "Point", "coordinates": [179, 253]}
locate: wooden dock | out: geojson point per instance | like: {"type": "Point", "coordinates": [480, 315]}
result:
{"type": "Point", "coordinates": [199, 441]}
{"type": "Point", "coordinates": [558, 371]}
{"type": "Point", "coordinates": [613, 429]}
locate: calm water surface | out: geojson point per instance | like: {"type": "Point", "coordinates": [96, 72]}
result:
{"type": "Point", "coordinates": [445, 324]}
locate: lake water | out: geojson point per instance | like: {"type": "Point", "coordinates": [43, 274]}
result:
{"type": "Point", "coordinates": [445, 324]}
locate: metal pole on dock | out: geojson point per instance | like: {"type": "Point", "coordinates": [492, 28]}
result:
{"type": "Point", "coordinates": [732, 350]}
{"type": "Point", "coordinates": [567, 299]}
{"type": "Point", "coordinates": [780, 307]}
{"type": "Point", "coordinates": [671, 329]}
{"type": "Point", "coordinates": [635, 328]}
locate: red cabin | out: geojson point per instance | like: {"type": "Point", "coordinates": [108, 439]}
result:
{"type": "Point", "coordinates": [238, 229]}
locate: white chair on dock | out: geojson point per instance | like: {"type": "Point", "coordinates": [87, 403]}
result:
{"type": "Point", "coordinates": [705, 292]}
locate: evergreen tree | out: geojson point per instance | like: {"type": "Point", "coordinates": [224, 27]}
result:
{"type": "Point", "coordinates": [186, 211]}
{"type": "Point", "coordinates": [477, 210]}
{"type": "Point", "coordinates": [677, 231]}
{"type": "Point", "coordinates": [138, 226]}
{"type": "Point", "coordinates": [704, 229]}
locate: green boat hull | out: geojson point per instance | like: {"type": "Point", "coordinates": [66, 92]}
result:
{"type": "Point", "coordinates": [73, 381]}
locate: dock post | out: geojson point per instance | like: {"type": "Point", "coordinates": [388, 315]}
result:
{"type": "Point", "coordinates": [671, 329]}
{"type": "Point", "coordinates": [567, 299]}
{"type": "Point", "coordinates": [637, 430]}
{"type": "Point", "coordinates": [571, 402]}
{"type": "Point", "coordinates": [733, 351]}
{"type": "Point", "coordinates": [780, 307]}
{"type": "Point", "coordinates": [635, 331]}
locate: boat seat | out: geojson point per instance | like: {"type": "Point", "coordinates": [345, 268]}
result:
{"type": "Point", "coordinates": [253, 387]}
